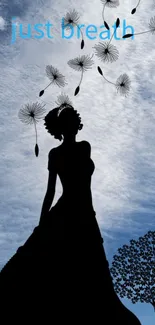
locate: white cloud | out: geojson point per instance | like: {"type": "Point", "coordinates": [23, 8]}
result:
{"type": "Point", "coordinates": [2, 23]}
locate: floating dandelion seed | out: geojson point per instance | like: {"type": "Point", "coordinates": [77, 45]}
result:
{"type": "Point", "coordinates": [63, 99]}
{"type": "Point", "coordinates": [55, 76]}
{"type": "Point", "coordinates": [72, 19]}
{"type": "Point", "coordinates": [81, 63]}
{"type": "Point", "coordinates": [122, 83]}
{"type": "Point", "coordinates": [110, 4]}
{"type": "Point", "coordinates": [151, 26]}
{"type": "Point", "coordinates": [32, 113]}
{"type": "Point", "coordinates": [106, 52]}
{"type": "Point", "coordinates": [134, 9]}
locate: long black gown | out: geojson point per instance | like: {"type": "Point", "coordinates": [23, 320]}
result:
{"type": "Point", "coordinates": [61, 272]}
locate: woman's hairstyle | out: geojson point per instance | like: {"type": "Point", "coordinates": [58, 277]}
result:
{"type": "Point", "coordinates": [62, 118]}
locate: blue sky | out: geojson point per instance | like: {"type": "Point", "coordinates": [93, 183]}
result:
{"type": "Point", "coordinates": [121, 130]}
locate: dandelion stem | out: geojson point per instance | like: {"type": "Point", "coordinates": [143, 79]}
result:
{"type": "Point", "coordinates": [138, 3]}
{"type": "Point", "coordinates": [147, 31]}
{"type": "Point", "coordinates": [103, 11]}
{"type": "Point", "coordinates": [80, 30]}
{"type": "Point", "coordinates": [35, 130]}
{"type": "Point", "coordinates": [48, 85]}
{"type": "Point", "coordinates": [112, 36]}
{"type": "Point", "coordinates": [81, 77]}
{"type": "Point", "coordinates": [108, 80]}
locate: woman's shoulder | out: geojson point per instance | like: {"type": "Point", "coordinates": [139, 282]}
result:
{"type": "Point", "coordinates": [86, 146]}
{"type": "Point", "coordinates": [86, 143]}
{"type": "Point", "coordinates": [52, 152]}
{"type": "Point", "coordinates": [56, 150]}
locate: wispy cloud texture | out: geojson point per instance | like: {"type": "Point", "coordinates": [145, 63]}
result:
{"type": "Point", "coordinates": [2, 23]}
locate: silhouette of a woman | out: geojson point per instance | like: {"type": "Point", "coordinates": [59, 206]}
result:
{"type": "Point", "coordinates": [72, 162]}
{"type": "Point", "coordinates": [64, 257]}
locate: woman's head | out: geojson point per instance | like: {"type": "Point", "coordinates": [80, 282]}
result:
{"type": "Point", "coordinates": [63, 120]}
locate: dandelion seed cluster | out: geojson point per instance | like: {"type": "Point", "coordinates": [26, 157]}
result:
{"type": "Point", "coordinates": [104, 51]}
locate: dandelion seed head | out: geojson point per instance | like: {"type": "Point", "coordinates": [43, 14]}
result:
{"type": "Point", "coordinates": [81, 63]}
{"type": "Point", "coordinates": [123, 84]}
{"type": "Point", "coordinates": [110, 3]}
{"type": "Point", "coordinates": [55, 76]}
{"type": "Point", "coordinates": [106, 52]}
{"type": "Point", "coordinates": [63, 99]}
{"type": "Point", "coordinates": [71, 18]}
{"type": "Point", "coordinates": [152, 25]}
{"type": "Point", "coordinates": [31, 113]}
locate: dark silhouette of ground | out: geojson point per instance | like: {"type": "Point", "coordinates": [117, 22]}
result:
{"type": "Point", "coordinates": [61, 272]}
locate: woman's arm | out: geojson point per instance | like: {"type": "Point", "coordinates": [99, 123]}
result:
{"type": "Point", "coordinates": [48, 199]}
{"type": "Point", "coordinates": [49, 196]}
